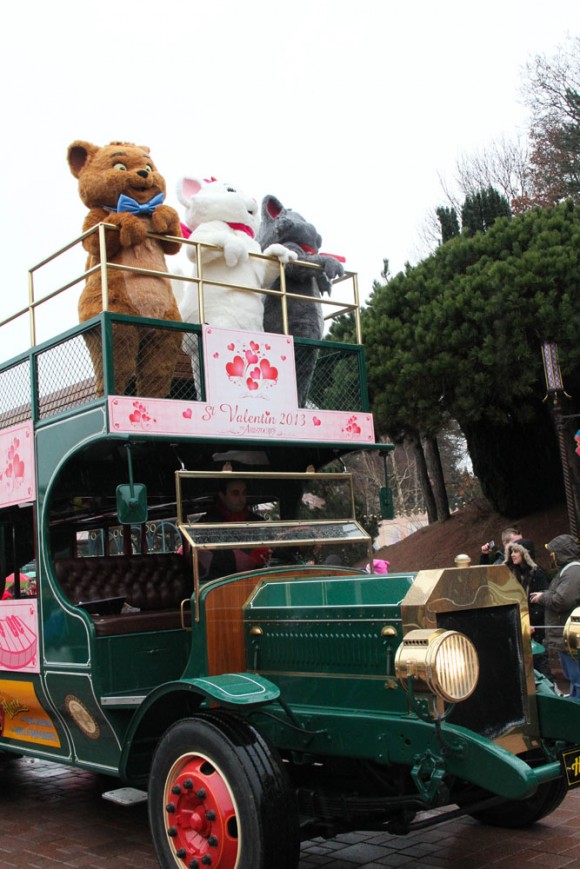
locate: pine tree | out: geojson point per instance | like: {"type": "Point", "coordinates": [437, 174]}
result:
{"type": "Point", "coordinates": [459, 336]}
{"type": "Point", "coordinates": [448, 222]}
{"type": "Point", "coordinates": [481, 210]}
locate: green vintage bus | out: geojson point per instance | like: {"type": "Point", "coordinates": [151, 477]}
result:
{"type": "Point", "coordinates": [265, 702]}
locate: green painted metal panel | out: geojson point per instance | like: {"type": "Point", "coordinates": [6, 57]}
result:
{"type": "Point", "coordinates": [237, 689]}
{"type": "Point", "coordinates": [559, 716]}
{"type": "Point", "coordinates": [140, 661]}
{"type": "Point", "coordinates": [404, 739]}
{"type": "Point", "coordinates": [364, 591]}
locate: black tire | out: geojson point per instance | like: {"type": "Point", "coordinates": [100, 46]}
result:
{"type": "Point", "coordinates": [219, 795]}
{"type": "Point", "coordinates": [522, 813]}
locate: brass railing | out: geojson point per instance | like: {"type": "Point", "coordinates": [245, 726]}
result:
{"type": "Point", "coordinates": [333, 308]}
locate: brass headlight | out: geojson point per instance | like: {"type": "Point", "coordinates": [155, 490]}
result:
{"type": "Point", "coordinates": [572, 633]}
{"type": "Point", "coordinates": [443, 663]}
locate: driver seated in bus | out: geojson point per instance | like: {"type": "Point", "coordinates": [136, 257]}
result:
{"type": "Point", "coordinates": [230, 505]}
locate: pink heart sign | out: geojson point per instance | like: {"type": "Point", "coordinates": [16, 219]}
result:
{"type": "Point", "coordinates": [235, 368]}
{"type": "Point", "coordinates": [268, 371]}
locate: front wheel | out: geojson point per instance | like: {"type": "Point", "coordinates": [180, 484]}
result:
{"type": "Point", "coordinates": [514, 814]}
{"type": "Point", "coordinates": [219, 797]}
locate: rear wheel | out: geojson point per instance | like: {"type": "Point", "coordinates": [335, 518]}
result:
{"type": "Point", "coordinates": [219, 797]}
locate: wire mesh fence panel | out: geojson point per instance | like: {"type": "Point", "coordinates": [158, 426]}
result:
{"type": "Point", "coordinates": [151, 362]}
{"type": "Point", "coordinates": [335, 382]}
{"type": "Point", "coordinates": [157, 362]}
{"type": "Point", "coordinates": [15, 394]}
{"type": "Point", "coordinates": [66, 375]}
{"type": "Point", "coordinates": [187, 382]}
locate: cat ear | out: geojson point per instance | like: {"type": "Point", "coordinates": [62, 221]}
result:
{"type": "Point", "coordinates": [187, 188]}
{"type": "Point", "coordinates": [272, 208]}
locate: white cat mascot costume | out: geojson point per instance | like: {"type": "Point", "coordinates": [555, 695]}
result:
{"type": "Point", "coordinates": [221, 214]}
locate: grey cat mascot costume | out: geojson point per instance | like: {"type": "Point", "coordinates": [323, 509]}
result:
{"type": "Point", "coordinates": [284, 226]}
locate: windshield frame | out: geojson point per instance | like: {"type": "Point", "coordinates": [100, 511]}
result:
{"type": "Point", "coordinates": [273, 534]}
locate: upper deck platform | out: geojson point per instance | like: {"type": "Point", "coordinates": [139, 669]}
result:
{"type": "Point", "coordinates": [112, 361]}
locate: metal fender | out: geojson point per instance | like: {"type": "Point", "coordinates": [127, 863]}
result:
{"type": "Point", "coordinates": [236, 689]}
{"type": "Point", "coordinates": [460, 752]}
{"type": "Point", "coordinates": [162, 707]}
{"type": "Point", "coordinates": [559, 717]}
{"type": "Point", "coordinates": [492, 767]}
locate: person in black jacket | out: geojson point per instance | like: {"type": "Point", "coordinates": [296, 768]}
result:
{"type": "Point", "coordinates": [559, 600]}
{"type": "Point", "coordinates": [532, 579]}
{"type": "Point", "coordinates": [492, 554]}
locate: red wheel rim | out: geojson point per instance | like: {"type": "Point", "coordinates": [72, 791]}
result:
{"type": "Point", "coordinates": [200, 815]}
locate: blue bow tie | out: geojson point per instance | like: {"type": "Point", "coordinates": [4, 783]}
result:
{"type": "Point", "coordinates": [125, 203]}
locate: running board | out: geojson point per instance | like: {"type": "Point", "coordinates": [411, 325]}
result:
{"type": "Point", "coordinates": [126, 796]}
{"type": "Point", "coordinates": [122, 701]}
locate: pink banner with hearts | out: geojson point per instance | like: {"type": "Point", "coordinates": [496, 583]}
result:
{"type": "Point", "coordinates": [226, 419]}
{"type": "Point", "coordinates": [17, 477]}
{"type": "Point", "coordinates": [251, 393]}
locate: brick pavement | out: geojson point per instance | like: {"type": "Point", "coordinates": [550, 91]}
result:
{"type": "Point", "coordinates": [53, 816]}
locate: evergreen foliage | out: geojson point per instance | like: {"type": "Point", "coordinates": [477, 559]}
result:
{"type": "Point", "coordinates": [343, 329]}
{"type": "Point", "coordinates": [449, 223]}
{"type": "Point", "coordinates": [460, 336]}
{"type": "Point", "coordinates": [481, 210]}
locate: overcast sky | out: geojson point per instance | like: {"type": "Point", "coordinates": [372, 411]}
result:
{"type": "Point", "coordinates": [347, 111]}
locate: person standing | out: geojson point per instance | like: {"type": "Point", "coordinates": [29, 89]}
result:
{"type": "Point", "coordinates": [562, 596]}
{"type": "Point", "coordinates": [532, 579]}
{"type": "Point", "coordinates": [379, 566]}
{"type": "Point", "coordinates": [491, 554]}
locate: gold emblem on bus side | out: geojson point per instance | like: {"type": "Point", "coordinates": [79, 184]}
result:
{"type": "Point", "coordinates": [82, 717]}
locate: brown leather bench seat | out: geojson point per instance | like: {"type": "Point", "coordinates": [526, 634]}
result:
{"type": "Point", "coordinates": [154, 584]}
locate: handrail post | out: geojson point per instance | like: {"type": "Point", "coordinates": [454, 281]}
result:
{"type": "Point", "coordinates": [103, 258]}
{"type": "Point", "coordinates": [199, 283]}
{"type": "Point", "coordinates": [31, 312]}
{"type": "Point", "coordinates": [284, 299]}
{"type": "Point", "coordinates": [357, 310]}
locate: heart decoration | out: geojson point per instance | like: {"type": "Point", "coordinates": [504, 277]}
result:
{"type": "Point", "coordinates": [268, 371]}
{"type": "Point", "coordinates": [235, 368]}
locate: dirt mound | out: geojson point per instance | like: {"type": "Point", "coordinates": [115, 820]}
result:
{"type": "Point", "coordinates": [437, 545]}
